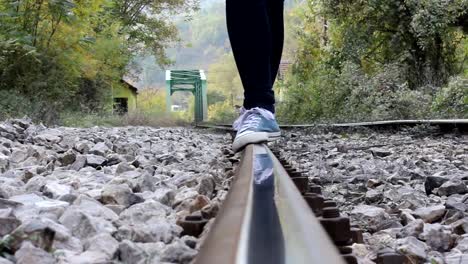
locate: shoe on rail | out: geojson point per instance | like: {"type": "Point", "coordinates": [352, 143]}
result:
{"type": "Point", "coordinates": [253, 126]}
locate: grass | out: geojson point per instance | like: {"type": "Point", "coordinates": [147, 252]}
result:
{"type": "Point", "coordinates": [137, 118]}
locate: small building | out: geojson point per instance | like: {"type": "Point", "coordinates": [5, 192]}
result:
{"type": "Point", "coordinates": [124, 97]}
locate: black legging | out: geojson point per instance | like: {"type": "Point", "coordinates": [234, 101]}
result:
{"type": "Point", "coordinates": [256, 33]}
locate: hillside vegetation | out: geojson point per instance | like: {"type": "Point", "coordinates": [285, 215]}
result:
{"type": "Point", "coordinates": [370, 60]}
{"type": "Point", "coordinates": [65, 56]}
{"type": "Point", "coordinates": [351, 60]}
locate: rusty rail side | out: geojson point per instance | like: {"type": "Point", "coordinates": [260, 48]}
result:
{"type": "Point", "coordinates": [222, 243]}
{"type": "Point", "coordinates": [460, 123]}
{"type": "Point", "coordinates": [264, 219]}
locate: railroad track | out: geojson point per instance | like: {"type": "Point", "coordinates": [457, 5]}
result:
{"type": "Point", "coordinates": [274, 214]}
{"type": "Point", "coordinates": [443, 124]}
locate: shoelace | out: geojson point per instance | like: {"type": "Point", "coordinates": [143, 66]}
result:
{"type": "Point", "coordinates": [249, 118]}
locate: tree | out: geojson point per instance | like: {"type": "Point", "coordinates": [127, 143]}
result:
{"type": "Point", "coordinates": [422, 35]}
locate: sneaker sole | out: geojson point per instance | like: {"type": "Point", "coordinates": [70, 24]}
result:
{"type": "Point", "coordinates": [253, 138]}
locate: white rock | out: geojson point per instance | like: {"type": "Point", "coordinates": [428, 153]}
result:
{"type": "Point", "coordinates": [130, 253]}
{"type": "Point", "coordinates": [412, 247]}
{"type": "Point", "coordinates": [55, 189]}
{"type": "Point", "coordinates": [430, 214]}
{"type": "Point", "coordinates": [84, 225]}
{"type": "Point", "coordinates": [369, 216]}
{"type": "Point", "coordinates": [29, 254]}
{"type": "Point", "coordinates": [119, 194]}
{"type": "Point", "coordinates": [103, 243]}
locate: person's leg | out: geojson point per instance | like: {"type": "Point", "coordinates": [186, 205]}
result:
{"type": "Point", "coordinates": [255, 30]}
{"type": "Point", "coordinates": [250, 34]}
{"type": "Point", "coordinates": [276, 17]}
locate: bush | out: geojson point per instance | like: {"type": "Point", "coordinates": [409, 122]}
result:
{"type": "Point", "coordinates": [222, 112]}
{"type": "Point", "coordinates": [384, 96]}
{"type": "Point", "coordinates": [352, 95]}
{"type": "Point", "coordinates": [136, 118]}
{"type": "Point", "coordinates": [452, 100]}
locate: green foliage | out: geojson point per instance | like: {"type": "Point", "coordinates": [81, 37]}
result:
{"type": "Point", "coordinates": [148, 23]}
{"type": "Point", "coordinates": [452, 100]}
{"type": "Point", "coordinates": [221, 113]}
{"type": "Point", "coordinates": [62, 55]}
{"type": "Point", "coordinates": [223, 79]}
{"type": "Point", "coordinates": [380, 59]}
{"type": "Point", "coordinates": [138, 118]}
{"type": "Point", "coordinates": [152, 101]}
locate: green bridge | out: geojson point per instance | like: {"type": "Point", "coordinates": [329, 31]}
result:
{"type": "Point", "coordinates": [193, 81]}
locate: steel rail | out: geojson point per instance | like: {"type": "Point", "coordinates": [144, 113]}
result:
{"type": "Point", "coordinates": [460, 123]}
{"type": "Point", "coordinates": [264, 219]}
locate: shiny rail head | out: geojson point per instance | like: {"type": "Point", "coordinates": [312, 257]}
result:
{"type": "Point", "coordinates": [264, 219]}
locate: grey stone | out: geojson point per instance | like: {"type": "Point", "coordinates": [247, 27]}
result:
{"type": "Point", "coordinates": [456, 258]}
{"type": "Point", "coordinates": [412, 229]}
{"type": "Point", "coordinates": [206, 186]}
{"type": "Point", "coordinates": [29, 254]}
{"type": "Point", "coordinates": [433, 182]}
{"type": "Point", "coordinates": [119, 194]}
{"type": "Point", "coordinates": [124, 167]}
{"type": "Point", "coordinates": [67, 158]}
{"type": "Point", "coordinates": [373, 196]}
{"type": "Point", "coordinates": [430, 214]}
{"type": "Point", "coordinates": [94, 160]}
{"type": "Point", "coordinates": [35, 184]}
{"type": "Point", "coordinates": [147, 222]}
{"type": "Point", "coordinates": [100, 149]}
{"type": "Point", "coordinates": [55, 189]}
{"type": "Point", "coordinates": [89, 257]}
{"type": "Point", "coordinates": [6, 204]}
{"type": "Point", "coordinates": [184, 194]}
{"type": "Point", "coordinates": [456, 202]}
{"type": "Point", "coordinates": [44, 233]}
{"type": "Point", "coordinates": [369, 216]}
{"type": "Point", "coordinates": [140, 182]}
{"type": "Point", "coordinates": [130, 253]}
{"type": "Point", "coordinates": [438, 237]}
{"type": "Point", "coordinates": [35, 231]}
{"type": "Point", "coordinates": [8, 224]}
{"type": "Point", "coordinates": [18, 156]}
{"type": "Point", "coordinates": [116, 208]}
{"type": "Point", "coordinates": [435, 257]}
{"type": "Point", "coordinates": [452, 187]}
{"type": "Point", "coordinates": [80, 162]}
{"type": "Point", "coordinates": [178, 252]}
{"type": "Point", "coordinates": [153, 250]}
{"type": "Point", "coordinates": [158, 231]}
{"type": "Point", "coordinates": [461, 226]}
{"type": "Point", "coordinates": [94, 208]}
{"type": "Point", "coordinates": [29, 198]}
{"type": "Point", "coordinates": [164, 195]}
{"type": "Point", "coordinates": [83, 146]}
{"type": "Point", "coordinates": [49, 136]}
{"type": "Point", "coordinates": [381, 152]}
{"type": "Point", "coordinates": [103, 243]}
{"type": "Point", "coordinates": [413, 248]}
{"type": "Point", "coordinates": [379, 240]}
{"type": "Point", "coordinates": [6, 212]}
{"type": "Point", "coordinates": [83, 225]}
{"type": "Point", "coordinates": [4, 163]}
{"type": "Point", "coordinates": [462, 244]}
{"type": "Point", "coordinates": [5, 261]}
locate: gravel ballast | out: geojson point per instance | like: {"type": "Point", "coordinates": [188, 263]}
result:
{"type": "Point", "coordinates": [105, 195]}
{"type": "Point", "coordinates": [405, 189]}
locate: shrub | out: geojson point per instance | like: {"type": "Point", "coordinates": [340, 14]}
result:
{"type": "Point", "coordinates": [452, 100]}
{"type": "Point", "coordinates": [222, 112]}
